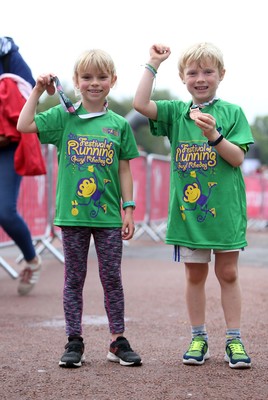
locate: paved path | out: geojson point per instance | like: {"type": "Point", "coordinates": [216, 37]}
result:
{"type": "Point", "coordinates": [32, 332]}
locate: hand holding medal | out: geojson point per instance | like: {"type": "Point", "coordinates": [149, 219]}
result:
{"type": "Point", "coordinates": [195, 113]}
{"type": "Point", "coordinates": [195, 108]}
{"type": "Point", "coordinates": [206, 123]}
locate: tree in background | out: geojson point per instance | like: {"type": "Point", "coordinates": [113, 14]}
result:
{"type": "Point", "coordinates": [260, 134]}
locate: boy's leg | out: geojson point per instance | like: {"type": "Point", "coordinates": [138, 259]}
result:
{"type": "Point", "coordinates": [196, 275]}
{"type": "Point", "coordinates": [226, 270]}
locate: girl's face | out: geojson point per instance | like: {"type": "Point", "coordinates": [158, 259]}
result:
{"type": "Point", "coordinates": [202, 80]}
{"type": "Point", "coordinates": [94, 86]}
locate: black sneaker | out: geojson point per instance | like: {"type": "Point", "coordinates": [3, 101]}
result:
{"type": "Point", "coordinates": [74, 353]}
{"type": "Point", "coordinates": [120, 351]}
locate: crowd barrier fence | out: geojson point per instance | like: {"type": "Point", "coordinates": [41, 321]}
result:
{"type": "Point", "coordinates": [257, 200]}
{"type": "Point", "coordinates": [151, 173]}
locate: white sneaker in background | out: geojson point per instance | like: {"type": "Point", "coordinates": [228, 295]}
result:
{"type": "Point", "coordinates": [29, 277]}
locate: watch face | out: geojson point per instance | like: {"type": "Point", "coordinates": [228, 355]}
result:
{"type": "Point", "coordinates": [195, 113]}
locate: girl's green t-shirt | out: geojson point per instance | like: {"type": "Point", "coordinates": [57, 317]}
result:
{"type": "Point", "coordinates": [89, 150]}
{"type": "Point", "coordinates": [207, 205]}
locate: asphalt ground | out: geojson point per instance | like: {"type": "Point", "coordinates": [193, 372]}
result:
{"type": "Point", "coordinates": [32, 336]}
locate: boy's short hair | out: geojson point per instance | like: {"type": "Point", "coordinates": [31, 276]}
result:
{"type": "Point", "coordinates": [95, 58]}
{"type": "Point", "coordinates": [198, 53]}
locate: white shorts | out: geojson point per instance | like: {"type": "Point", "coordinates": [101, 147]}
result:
{"type": "Point", "coordinates": [187, 255]}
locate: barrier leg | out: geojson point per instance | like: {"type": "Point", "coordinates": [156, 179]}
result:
{"type": "Point", "coordinates": [144, 228]}
{"type": "Point", "coordinates": [47, 244]}
{"type": "Point", "coordinates": [14, 274]}
{"type": "Point", "coordinates": [160, 229]}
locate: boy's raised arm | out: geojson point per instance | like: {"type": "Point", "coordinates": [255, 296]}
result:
{"type": "Point", "coordinates": [142, 101]}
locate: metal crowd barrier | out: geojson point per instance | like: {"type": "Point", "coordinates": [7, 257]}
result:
{"type": "Point", "coordinates": [151, 174]}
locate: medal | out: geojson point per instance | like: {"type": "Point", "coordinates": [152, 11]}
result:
{"type": "Point", "coordinates": [195, 108]}
{"type": "Point", "coordinates": [195, 113]}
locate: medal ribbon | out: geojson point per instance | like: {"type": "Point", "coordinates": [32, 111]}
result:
{"type": "Point", "coordinates": [70, 107]}
{"type": "Point", "coordinates": [202, 105]}
{"type": "Point", "coordinates": [195, 108]}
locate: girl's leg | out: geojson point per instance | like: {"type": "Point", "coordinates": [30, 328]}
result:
{"type": "Point", "coordinates": [226, 270]}
{"type": "Point", "coordinates": [108, 243]}
{"type": "Point", "coordinates": [196, 275]}
{"type": "Point", "coordinates": [10, 220]}
{"type": "Point", "coordinates": [75, 242]}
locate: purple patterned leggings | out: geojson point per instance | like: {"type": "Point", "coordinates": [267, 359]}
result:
{"type": "Point", "coordinates": [108, 244]}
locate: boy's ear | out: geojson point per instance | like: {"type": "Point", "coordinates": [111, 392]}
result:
{"type": "Point", "coordinates": [182, 78]}
{"type": "Point", "coordinates": [114, 79]}
{"type": "Point", "coordinates": [222, 74]}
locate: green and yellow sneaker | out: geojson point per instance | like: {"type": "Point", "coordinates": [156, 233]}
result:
{"type": "Point", "coordinates": [236, 356]}
{"type": "Point", "coordinates": [197, 352]}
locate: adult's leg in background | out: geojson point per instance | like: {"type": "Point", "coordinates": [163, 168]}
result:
{"type": "Point", "coordinates": [10, 220]}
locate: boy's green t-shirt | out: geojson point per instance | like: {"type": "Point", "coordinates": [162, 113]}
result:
{"type": "Point", "coordinates": [207, 206]}
{"type": "Point", "coordinates": [89, 150]}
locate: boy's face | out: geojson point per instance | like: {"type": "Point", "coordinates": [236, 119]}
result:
{"type": "Point", "coordinates": [202, 80]}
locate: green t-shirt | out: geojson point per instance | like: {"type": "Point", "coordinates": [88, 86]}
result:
{"type": "Point", "coordinates": [88, 186]}
{"type": "Point", "coordinates": [207, 206]}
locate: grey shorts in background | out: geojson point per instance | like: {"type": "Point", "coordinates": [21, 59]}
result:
{"type": "Point", "coordinates": [187, 255]}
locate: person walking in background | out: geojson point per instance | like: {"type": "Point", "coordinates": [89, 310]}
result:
{"type": "Point", "coordinates": [207, 212]}
{"type": "Point", "coordinates": [15, 81]}
{"type": "Point", "coordinates": [94, 147]}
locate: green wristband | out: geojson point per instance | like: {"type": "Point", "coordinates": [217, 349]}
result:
{"type": "Point", "coordinates": [151, 68]}
{"type": "Point", "coordinates": [129, 204]}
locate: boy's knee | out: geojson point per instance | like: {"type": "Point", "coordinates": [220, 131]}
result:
{"type": "Point", "coordinates": [228, 276]}
{"type": "Point", "coordinates": [196, 276]}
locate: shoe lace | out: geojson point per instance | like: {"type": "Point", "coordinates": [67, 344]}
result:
{"type": "Point", "coordinates": [196, 345]}
{"type": "Point", "coordinates": [237, 348]}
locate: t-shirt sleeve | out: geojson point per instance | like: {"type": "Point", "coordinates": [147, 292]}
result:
{"type": "Point", "coordinates": [241, 134]}
{"type": "Point", "coordinates": [129, 149]}
{"type": "Point", "coordinates": [168, 112]}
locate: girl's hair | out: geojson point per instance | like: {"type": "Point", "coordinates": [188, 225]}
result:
{"type": "Point", "coordinates": [199, 53]}
{"type": "Point", "coordinates": [95, 58]}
